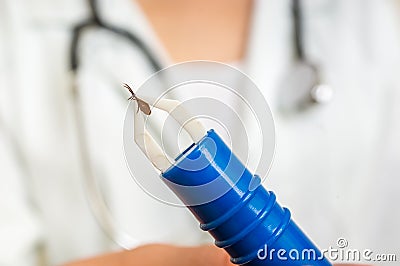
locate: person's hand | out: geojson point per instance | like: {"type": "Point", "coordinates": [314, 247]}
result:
{"type": "Point", "coordinates": [160, 254]}
{"type": "Point", "coordinates": [165, 255]}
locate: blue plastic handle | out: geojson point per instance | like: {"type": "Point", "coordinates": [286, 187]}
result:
{"type": "Point", "coordinates": [242, 216]}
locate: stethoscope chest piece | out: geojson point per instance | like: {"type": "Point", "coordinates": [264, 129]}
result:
{"type": "Point", "coordinates": [301, 89]}
{"type": "Point", "coordinates": [321, 93]}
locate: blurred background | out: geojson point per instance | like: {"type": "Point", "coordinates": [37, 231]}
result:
{"type": "Point", "coordinates": [328, 69]}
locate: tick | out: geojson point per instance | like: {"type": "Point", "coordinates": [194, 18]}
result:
{"type": "Point", "coordinates": [142, 105]}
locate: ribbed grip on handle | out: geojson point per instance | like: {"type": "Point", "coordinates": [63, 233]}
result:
{"type": "Point", "coordinates": [242, 216]}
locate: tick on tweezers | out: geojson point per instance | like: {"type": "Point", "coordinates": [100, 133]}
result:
{"type": "Point", "coordinates": [142, 105]}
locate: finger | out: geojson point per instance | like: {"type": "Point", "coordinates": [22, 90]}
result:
{"type": "Point", "coordinates": [207, 255]}
{"type": "Point", "coordinates": [165, 255]}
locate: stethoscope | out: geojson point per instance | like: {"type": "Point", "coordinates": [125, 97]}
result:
{"type": "Point", "coordinates": [312, 93]}
{"type": "Point", "coordinates": [95, 21]}
{"type": "Point", "coordinates": [303, 88]}
{"type": "Point", "coordinates": [94, 195]}
{"type": "Point", "coordinates": [306, 91]}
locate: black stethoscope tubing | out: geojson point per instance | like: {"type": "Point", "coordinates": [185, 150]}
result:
{"type": "Point", "coordinates": [95, 21]}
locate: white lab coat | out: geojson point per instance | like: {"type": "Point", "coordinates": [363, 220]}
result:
{"type": "Point", "coordinates": [336, 166]}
